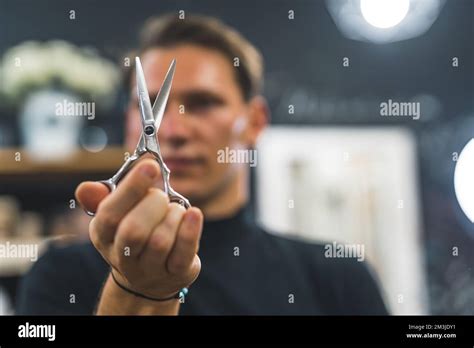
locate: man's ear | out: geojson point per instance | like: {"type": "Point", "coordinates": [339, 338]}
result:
{"type": "Point", "coordinates": [258, 118]}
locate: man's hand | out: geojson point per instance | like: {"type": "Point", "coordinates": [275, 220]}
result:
{"type": "Point", "coordinates": [150, 244]}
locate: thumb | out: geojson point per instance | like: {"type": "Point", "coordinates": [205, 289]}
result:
{"type": "Point", "coordinates": [90, 194]}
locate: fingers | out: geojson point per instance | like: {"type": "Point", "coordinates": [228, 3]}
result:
{"type": "Point", "coordinates": [136, 227]}
{"type": "Point", "coordinates": [182, 256]}
{"type": "Point", "coordinates": [89, 194]}
{"type": "Point", "coordinates": [163, 237]}
{"type": "Point", "coordinates": [129, 192]}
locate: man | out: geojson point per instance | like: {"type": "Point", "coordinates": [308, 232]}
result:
{"type": "Point", "coordinates": [241, 269]}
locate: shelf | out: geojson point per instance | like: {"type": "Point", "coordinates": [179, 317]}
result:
{"type": "Point", "coordinates": [81, 161]}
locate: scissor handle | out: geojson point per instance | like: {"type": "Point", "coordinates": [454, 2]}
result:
{"type": "Point", "coordinates": [111, 185]}
{"type": "Point", "coordinates": [174, 196]}
{"type": "Point", "coordinates": [112, 182]}
{"type": "Point", "coordinates": [177, 198]}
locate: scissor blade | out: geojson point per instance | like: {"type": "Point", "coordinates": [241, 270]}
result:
{"type": "Point", "coordinates": [162, 98]}
{"type": "Point", "coordinates": [143, 96]}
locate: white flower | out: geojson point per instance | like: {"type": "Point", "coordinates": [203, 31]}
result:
{"type": "Point", "coordinates": [35, 65]}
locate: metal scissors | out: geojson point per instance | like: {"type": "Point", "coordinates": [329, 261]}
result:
{"type": "Point", "coordinates": [151, 120]}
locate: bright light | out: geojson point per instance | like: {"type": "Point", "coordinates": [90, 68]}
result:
{"type": "Point", "coordinates": [384, 21]}
{"type": "Point", "coordinates": [464, 180]}
{"type": "Point", "coordinates": [384, 13]}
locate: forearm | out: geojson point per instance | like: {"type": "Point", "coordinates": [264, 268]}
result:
{"type": "Point", "coordinates": [115, 301]}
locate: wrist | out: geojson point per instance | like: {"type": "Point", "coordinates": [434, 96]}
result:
{"type": "Point", "coordinates": [116, 301]}
{"type": "Point", "coordinates": [175, 295]}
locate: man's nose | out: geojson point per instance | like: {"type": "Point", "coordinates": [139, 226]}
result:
{"type": "Point", "coordinates": [174, 128]}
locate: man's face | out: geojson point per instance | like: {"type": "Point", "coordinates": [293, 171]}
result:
{"type": "Point", "coordinates": [205, 113]}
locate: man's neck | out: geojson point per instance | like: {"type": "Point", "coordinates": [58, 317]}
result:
{"type": "Point", "coordinates": [227, 202]}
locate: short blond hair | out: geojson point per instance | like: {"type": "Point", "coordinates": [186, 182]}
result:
{"type": "Point", "coordinates": [208, 32]}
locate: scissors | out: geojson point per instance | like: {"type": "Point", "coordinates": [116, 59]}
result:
{"type": "Point", "coordinates": [151, 120]}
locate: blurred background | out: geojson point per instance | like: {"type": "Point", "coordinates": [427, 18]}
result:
{"type": "Point", "coordinates": [332, 166]}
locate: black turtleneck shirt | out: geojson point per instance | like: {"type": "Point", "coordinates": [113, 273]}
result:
{"type": "Point", "coordinates": [245, 271]}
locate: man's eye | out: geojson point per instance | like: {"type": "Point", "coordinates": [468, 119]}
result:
{"type": "Point", "coordinates": [201, 105]}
